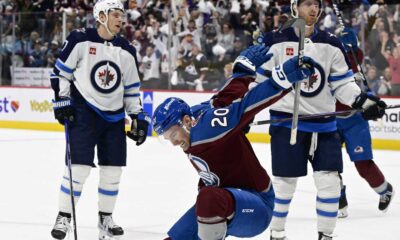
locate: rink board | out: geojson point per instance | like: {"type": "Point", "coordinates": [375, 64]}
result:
{"type": "Point", "coordinates": [31, 108]}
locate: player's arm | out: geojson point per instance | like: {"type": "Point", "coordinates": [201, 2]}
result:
{"type": "Point", "coordinates": [244, 73]}
{"type": "Point", "coordinates": [62, 74]}
{"type": "Point", "coordinates": [348, 92]}
{"type": "Point", "coordinates": [132, 102]}
{"type": "Point", "coordinates": [234, 117]}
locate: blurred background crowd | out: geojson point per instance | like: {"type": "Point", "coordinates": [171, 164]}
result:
{"type": "Point", "coordinates": [182, 43]}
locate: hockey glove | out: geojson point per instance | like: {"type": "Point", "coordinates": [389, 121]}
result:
{"type": "Point", "coordinates": [63, 110]}
{"type": "Point", "coordinates": [373, 106]}
{"type": "Point", "coordinates": [139, 127]}
{"type": "Point", "coordinates": [289, 72]}
{"type": "Point", "coordinates": [250, 59]}
{"type": "Point", "coordinates": [349, 39]}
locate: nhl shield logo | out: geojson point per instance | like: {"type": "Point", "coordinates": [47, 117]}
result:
{"type": "Point", "coordinates": [105, 76]}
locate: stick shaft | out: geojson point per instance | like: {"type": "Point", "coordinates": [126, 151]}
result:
{"type": "Point", "coordinates": [316, 116]}
{"type": "Point", "coordinates": [69, 165]}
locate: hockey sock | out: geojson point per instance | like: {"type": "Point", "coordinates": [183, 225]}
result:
{"type": "Point", "coordinates": [79, 175]}
{"type": "Point", "coordinates": [214, 207]}
{"type": "Point", "coordinates": [284, 189]}
{"type": "Point", "coordinates": [372, 174]}
{"type": "Point", "coordinates": [108, 187]}
{"type": "Point", "coordinates": [328, 194]}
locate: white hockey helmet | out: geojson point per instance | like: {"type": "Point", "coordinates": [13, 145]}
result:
{"type": "Point", "coordinates": [105, 6]}
{"type": "Point", "coordinates": [295, 3]}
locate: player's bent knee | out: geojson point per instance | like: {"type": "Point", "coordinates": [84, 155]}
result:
{"type": "Point", "coordinates": [285, 185]}
{"type": "Point", "coordinates": [214, 202]}
{"type": "Point", "coordinates": [216, 231]}
{"type": "Point", "coordinates": [327, 183]}
{"type": "Point", "coordinates": [110, 174]}
{"type": "Point", "coordinates": [79, 172]}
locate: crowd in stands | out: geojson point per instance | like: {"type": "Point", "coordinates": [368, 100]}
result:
{"type": "Point", "coordinates": [190, 44]}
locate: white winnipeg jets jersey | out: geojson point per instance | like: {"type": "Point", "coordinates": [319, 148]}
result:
{"type": "Point", "coordinates": [333, 77]}
{"type": "Point", "coordinates": [104, 72]}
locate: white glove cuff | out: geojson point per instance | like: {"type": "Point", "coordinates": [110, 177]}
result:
{"type": "Point", "coordinates": [279, 77]}
{"type": "Point", "coordinates": [245, 62]}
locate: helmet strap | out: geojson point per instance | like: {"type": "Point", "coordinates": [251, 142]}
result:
{"type": "Point", "coordinates": [105, 24]}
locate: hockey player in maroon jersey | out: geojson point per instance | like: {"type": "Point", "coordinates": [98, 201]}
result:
{"type": "Point", "coordinates": [235, 193]}
{"type": "Point", "coordinates": [354, 132]}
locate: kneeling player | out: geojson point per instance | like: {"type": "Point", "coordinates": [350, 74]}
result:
{"type": "Point", "coordinates": [235, 192]}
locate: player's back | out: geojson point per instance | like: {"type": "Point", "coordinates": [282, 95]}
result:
{"type": "Point", "coordinates": [223, 156]}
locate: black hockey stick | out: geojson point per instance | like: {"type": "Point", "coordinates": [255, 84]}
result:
{"type": "Point", "coordinates": [71, 192]}
{"type": "Point", "coordinates": [341, 26]}
{"type": "Point", "coordinates": [315, 116]}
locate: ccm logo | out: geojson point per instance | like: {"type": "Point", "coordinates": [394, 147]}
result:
{"type": "Point", "coordinates": [246, 210]}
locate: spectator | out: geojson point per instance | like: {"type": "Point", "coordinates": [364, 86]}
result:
{"type": "Point", "coordinates": [394, 64]}
{"type": "Point", "coordinates": [227, 37]}
{"type": "Point", "coordinates": [52, 54]}
{"type": "Point", "coordinates": [150, 68]}
{"type": "Point", "coordinates": [233, 52]}
{"type": "Point", "coordinates": [36, 56]}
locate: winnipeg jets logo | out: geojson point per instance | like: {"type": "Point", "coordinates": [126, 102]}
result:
{"type": "Point", "coordinates": [309, 85]}
{"type": "Point", "coordinates": [209, 178]}
{"type": "Point", "coordinates": [105, 76]}
{"type": "Point", "coordinates": [314, 84]}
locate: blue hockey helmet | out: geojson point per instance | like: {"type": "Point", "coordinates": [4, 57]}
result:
{"type": "Point", "coordinates": [169, 113]}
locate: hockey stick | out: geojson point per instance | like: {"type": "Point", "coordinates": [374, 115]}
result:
{"type": "Point", "coordinates": [301, 26]}
{"type": "Point", "coordinates": [341, 27]}
{"type": "Point", "coordinates": [71, 192]}
{"type": "Point", "coordinates": [315, 116]}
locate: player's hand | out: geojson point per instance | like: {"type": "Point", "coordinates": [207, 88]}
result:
{"type": "Point", "coordinates": [373, 106]}
{"type": "Point", "coordinates": [258, 37]}
{"type": "Point", "coordinates": [289, 72]}
{"type": "Point", "coordinates": [349, 39]}
{"type": "Point", "coordinates": [139, 127]}
{"type": "Point", "coordinates": [63, 110]}
{"type": "Point", "coordinates": [250, 59]}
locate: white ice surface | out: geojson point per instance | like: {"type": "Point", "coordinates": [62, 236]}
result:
{"type": "Point", "coordinates": [158, 186]}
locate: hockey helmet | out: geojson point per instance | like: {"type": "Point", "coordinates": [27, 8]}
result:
{"type": "Point", "coordinates": [105, 6]}
{"type": "Point", "coordinates": [295, 3]}
{"type": "Point", "coordinates": [169, 113]}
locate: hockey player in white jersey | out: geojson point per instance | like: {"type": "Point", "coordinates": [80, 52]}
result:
{"type": "Point", "coordinates": [96, 81]}
{"type": "Point", "coordinates": [317, 139]}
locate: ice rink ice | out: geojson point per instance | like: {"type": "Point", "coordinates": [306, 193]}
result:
{"type": "Point", "coordinates": [158, 185]}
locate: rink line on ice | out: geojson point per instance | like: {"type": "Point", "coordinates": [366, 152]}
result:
{"type": "Point", "coordinates": [383, 144]}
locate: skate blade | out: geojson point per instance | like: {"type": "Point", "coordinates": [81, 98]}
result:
{"type": "Point", "coordinates": [342, 213]}
{"type": "Point", "coordinates": [106, 236]}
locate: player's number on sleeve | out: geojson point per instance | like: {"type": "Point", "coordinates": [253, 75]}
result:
{"type": "Point", "coordinates": [220, 118]}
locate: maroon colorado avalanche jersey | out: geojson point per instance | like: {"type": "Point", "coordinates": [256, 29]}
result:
{"type": "Point", "coordinates": [219, 149]}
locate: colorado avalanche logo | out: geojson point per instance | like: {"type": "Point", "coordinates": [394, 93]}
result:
{"type": "Point", "coordinates": [209, 178]}
{"type": "Point", "coordinates": [105, 76]}
{"type": "Point", "coordinates": [314, 85]}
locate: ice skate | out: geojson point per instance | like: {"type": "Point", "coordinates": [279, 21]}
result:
{"type": "Point", "coordinates": [386, 198]}
{"type": "Point", "coordinates": [278, 235]}
{"type": "Point", "coordinates": [62, 226]}
{"type": "Point", "coordinates": [324, 236]}
{"type": "Point", "coordinates": [108, 229]}
{"type": "Point", "coordinates": [342, 213]}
